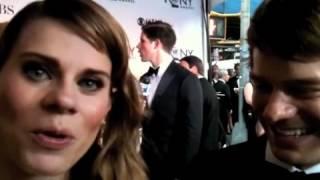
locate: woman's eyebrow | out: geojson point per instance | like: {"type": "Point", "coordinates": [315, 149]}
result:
{"type": "Point", "coordinates": [54, 63]}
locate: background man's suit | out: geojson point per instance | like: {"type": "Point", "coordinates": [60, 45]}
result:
{"type": "Point", "coordinates": [233, 83]}
{"type": "Point", "coordinates": [171, 138]}
{"type": "Point", "coordinates": [213, 133]}
{"type": "Point", "coordinates": [224, 97]}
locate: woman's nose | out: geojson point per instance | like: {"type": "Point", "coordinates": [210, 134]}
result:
{"type": "Point", "coordinates": [60, 99]}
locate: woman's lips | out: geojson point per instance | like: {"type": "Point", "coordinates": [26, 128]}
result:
{"type": "Point", "coordinates": [52, 140]}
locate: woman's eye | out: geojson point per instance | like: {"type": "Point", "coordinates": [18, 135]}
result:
{"type": "Point", "coordinates": [35, 71]}
{"type": "Point", "coordinates": [90, 84]}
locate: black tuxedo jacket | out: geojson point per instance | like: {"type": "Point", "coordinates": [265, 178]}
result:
{"type": "Point", "coordinates": [213, 134]}
{"type": "Point", "coordinates": [224, 97]}
{"type": "Point", "coordinates": [171, 137]}
{"type": "Point", "coordinates": [234, 98]}
{"type": "Point", "coordinates": [244, 161]}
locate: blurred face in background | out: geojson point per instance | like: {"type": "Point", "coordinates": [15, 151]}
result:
{"type": "Point", "coordinates": [287, 101]}
{"type": "Point", "coordinates": [186, 65]}
{"type": "Point", "coordinates": [237, 69]}
{"type": "Point", "coordinates": [215, 71]}
{"type": "Point", "coordinates": [55, 94]}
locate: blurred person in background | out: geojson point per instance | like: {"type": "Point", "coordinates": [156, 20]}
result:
{"type": "Point", "coordinates": [213, 134]}
{"type": "Point", "coordinates": [224, 98]}
{"type": "Point", "coordinates": [233, 83]}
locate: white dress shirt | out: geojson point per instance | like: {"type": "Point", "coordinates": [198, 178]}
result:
{"type": "Point", "coordinates": [272, 159]}
{"type": "Point", "coordinates": [155, 79]}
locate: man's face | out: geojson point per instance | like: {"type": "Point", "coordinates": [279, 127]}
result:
{"type": "Point", "coordinates": [286, 99]}
{"type": "Point", "coordinates": [237, 69]}
{"type": "Point", "coordinates": [146, 47]}
{"type": "Point", "coordinates": [186, 65]}
{"type": "Point", "coordinates": [215, 70]}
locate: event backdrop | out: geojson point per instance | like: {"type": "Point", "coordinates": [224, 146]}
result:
{"type": "Point", "coordinates": [186, 17]}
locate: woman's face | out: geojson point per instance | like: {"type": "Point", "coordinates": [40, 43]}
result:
{"type": "Point", "coordinates": [55, 94]}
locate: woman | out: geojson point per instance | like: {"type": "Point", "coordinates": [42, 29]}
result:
{"type": "Point", "coordinates": [65, 84]}
{"type": "Point", "coordinates": [254, 127]}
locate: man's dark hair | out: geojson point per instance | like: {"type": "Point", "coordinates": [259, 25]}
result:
{"type": "Point", "coordinates": [194, 61]}
{"type": "Point", "coordinates": [286, 28]}
{"type": "Point", "coordinates": [162, 31]}
{"type": "Point", "coordinates": [236, 65]}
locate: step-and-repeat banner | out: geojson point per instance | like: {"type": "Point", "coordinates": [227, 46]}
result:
{"type": "Point", "coordinates": [186, 17]}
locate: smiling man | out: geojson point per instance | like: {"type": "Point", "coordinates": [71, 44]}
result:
{"type": "Point", "coordinates": [285, 72]}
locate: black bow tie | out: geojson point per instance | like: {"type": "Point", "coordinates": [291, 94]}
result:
{"type": "Point", "coordinates": [152, 71]}
{"type": "Point", "coordinates": [298, 174]}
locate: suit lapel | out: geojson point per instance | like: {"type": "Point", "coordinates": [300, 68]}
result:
{"type": "Point", "coordinates": [165, 80]}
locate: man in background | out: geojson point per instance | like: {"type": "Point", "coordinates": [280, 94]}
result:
{"type": "Point", "coordinates": [213, 135]}
{"type": "Point", "coordinates": [233, 83]}
{"type": "Point", "coordinates": [172, 135]}
{"type": "Point", "coordinates": [224, 98]}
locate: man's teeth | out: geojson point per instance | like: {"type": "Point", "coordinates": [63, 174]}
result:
{"type": "Point", "coordinates": [291, 132]}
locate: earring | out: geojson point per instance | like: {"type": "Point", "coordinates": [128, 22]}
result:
{"type": "Point", "coordinates": [114, 90]}
{"type": "Point", "coordinates": [100, 134]}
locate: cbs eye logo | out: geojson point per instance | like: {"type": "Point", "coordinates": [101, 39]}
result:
{"type": "Point", "coordinates": [180, 3]}
{"type": "Point", "coordinates": [174, 3]}
{"type": "Point", "coordinates": [142, 21]}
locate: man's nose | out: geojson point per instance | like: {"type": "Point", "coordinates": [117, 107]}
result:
{"type": "Point", "coordinates": [279, 106]}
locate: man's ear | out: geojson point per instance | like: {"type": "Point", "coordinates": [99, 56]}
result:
{"type": "Point", "coordinates": [194, 69]}
{"type": "Point", "coordinates": [158, 43]}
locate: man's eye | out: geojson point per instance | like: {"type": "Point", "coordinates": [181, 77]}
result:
{"type": "Point", "coordinates": [35, 71]}
{"type": "Point", "coordinates": [90, 84]}
{"type": "Point", "coordinates": [261, 88]}
{"type": "Point", "coordinates": [303, 92]}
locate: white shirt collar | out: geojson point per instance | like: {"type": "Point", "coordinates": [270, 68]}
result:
{"type": "Point", "coordinates": [272, 159]}
{"type": "Point", "coordinates": [221, 80]}
{"type": "Point", "coordinates": [163, 66]}
{"type": "Point", "coordinates": [200, 76]}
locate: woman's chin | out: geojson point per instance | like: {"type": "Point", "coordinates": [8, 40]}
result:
{"type": "Point", "coordinates": [46, 165]}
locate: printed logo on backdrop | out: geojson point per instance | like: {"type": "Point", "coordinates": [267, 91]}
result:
{"type": "Point", "coordinates": [142, 21]}
{"type": "Point", "coordinates": [177, 53]}
{"type": "Point", "coordinates": [6, 9]}
{"type": "Point", "coordinates": [181, 52]}
{"type": "Point", "coordinates": [185, 4]}
{"type": "Point", "coordinates": [127, 1]}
